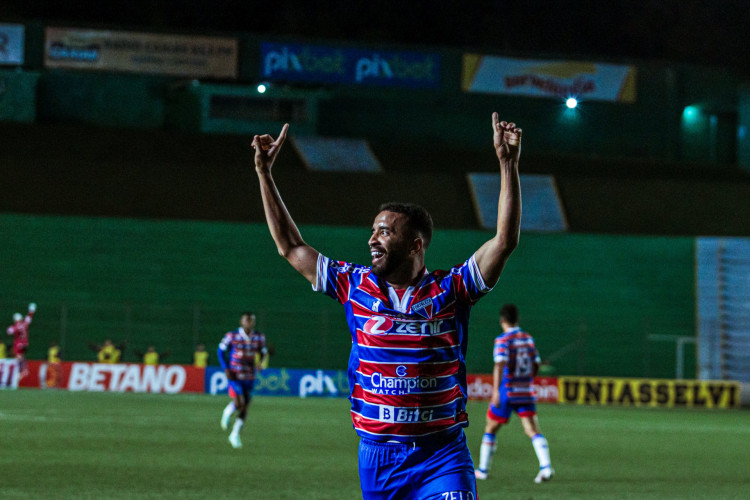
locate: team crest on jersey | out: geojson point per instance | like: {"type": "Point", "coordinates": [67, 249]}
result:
{"type": "Point", "coordinates": [423, 308]}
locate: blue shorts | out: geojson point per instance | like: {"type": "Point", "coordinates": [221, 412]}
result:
{"type": "Point", "coordinates": [243, 387]}
{"type": "Point", "coordinates": [502, 413]}
{"type": "Point", "coordinates": [433, 471]}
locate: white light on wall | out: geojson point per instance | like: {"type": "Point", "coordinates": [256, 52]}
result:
{"type": "Point", "coordinates": [571, 102]}
{"type": "Point", "coordinates": [262, 88]}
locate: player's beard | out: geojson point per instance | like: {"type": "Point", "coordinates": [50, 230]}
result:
{"type": "Point", "coordinates": [391, 261]}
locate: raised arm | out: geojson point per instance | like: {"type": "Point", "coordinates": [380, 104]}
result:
{"type": "Point", "coordinates": [492, 255]}
{"type": "Point", "coordinates": [287, 237]}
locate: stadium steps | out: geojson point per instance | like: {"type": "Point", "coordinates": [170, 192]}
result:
{"type": "Point", "coordinates": [74, 169]}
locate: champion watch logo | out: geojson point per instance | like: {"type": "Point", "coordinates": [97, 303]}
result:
{"type": "Point", "coordinates": [423, 308]}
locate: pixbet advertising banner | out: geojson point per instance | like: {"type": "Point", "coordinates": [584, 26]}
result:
{"type": "Point", "coordinates": [11, 44]}
{"type": "Point", "coordinates": [538, 78]}
{"type": "Point", "coordinates": [286, 382]}
{"type": "Point", "coordinates": [480, 387]}
{"type": "Point", "coordinates": [323, 64]}
{"type": "Point", "coordinates": [176, 55]}
{"type": "Point", "coordinates": [125, 377]}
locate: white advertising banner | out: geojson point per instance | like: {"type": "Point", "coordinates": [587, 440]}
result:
{"type": "Point", "coordinates": [540, 78]}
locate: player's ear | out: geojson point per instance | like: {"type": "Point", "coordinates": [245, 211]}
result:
{"type": "Point", "coordinates": [417, 245]}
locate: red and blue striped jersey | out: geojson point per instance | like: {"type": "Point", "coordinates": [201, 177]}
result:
{"type": "Point", "coordinates": [407, 373]}
{"type": "Point", "coordinates": [241, 349]}
{"type": "Point", "coordinates": [517, 350]}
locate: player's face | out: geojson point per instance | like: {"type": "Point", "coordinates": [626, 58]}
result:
{"type": "Point", "coordinates": [247, 321]}
{"type": "Point", "coordinates": [390, 243]}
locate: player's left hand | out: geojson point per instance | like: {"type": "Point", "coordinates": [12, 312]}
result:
{"type": "Point", "coordinates": [266, 149]}
{"type": "Point", "coordinates": [507, 139]}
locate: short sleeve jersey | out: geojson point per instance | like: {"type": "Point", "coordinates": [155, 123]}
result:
{"type": "Point", "coordinates": [407, 373]}
{"type": "Point", "coordinates": [20, 332]}
{"type": "Point", "coordinates": [517, 350]}
{"type": "Point", "coordinates": [242, 348]}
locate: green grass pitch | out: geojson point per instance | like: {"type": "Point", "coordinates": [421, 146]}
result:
{"type": "Point", "coordinates": [68, 445]}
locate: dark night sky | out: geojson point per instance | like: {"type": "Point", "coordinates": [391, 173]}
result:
{"type": "Point", "coordinates": [714, 33]}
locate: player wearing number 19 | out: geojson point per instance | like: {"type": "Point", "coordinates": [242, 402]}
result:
{"type": "Point", "coordinates": [516, 364]}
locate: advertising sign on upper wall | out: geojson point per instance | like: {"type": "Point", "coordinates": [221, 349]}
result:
{"type": "Point", "coordinates": [175, 55]}
{"type": "Point", "coordinates": [559, 79]}
{"type": "Point", "coordinates": [11, 44]}
{"type": "Point", "coordinates": [322, 64]}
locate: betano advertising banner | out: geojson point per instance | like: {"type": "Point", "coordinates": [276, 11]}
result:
{"type": "Point", "coordinates": [322, 64]}
{"type": "Point", "coordinates": [175, 55]}
{"type": "Point", "coordinates": [650, 392]}
{"type": "Point", "coordinates": [121, 377]}
{"type": "Point", "coordinates": [540, 78]}
{"type": "Point", "coordinates": [11, 44]}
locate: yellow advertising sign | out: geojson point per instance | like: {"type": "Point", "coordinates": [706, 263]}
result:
{"type": "Point", "coordinates": [649, 392]}
{"type": "Point", "coordinates": [177, 55]}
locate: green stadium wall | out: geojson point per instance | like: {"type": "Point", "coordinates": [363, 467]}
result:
{"type": "Point", "coordinates": [590, 301]}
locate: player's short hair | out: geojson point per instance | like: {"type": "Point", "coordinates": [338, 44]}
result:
{"type": "Point", "coordinates": [420, 220]}
{"type": "Point", "coordinates": [247, 313]}
{"type": "Point", "coordinates": [509, 313]}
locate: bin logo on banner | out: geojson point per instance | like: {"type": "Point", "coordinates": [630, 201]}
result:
{"type": "Point", "coordinates": [11, 44]}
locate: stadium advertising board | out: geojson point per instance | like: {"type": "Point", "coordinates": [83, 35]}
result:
{"type": "Point", "coordinates": [322, 64]}
{"type": "Point", "coordinates": [480, 387]}
{"type": "Point", "coordinates": [650, 392]}
{"type": "Point", "coordinates": [125, 377]}
{"type": "Point", "coordinates": [539, 78]}
{"type": "Point", "coordinates": [11, 44]}
{"type": "Point", "coordinates": [175, 55]}
{"type": "Point", "coordinates": [286, 382]}
{"type": "Point", "coordinates": [8, 374]}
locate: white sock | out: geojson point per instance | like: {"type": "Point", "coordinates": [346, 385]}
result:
{"type": "Point", "coordinates": [237, 426]}
{"type": "Point", "coordinates": [486, 451]}
{"type": "Point", "coordinates": [542, 450]}
{"type": "Point", "coordinates": [229, 409]}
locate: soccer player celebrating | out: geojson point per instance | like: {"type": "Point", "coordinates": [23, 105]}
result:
{"type": "Point", "coordinates": [237, 356]}
{"type": "Point", "coordinates": [409, 329]}
{"type": "Point", "coordinates": [516, 364]}
{"type": "Point", "coordinates": [20, 331]}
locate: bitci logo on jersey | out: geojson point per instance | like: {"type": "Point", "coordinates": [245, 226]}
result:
{"type": "Point", "coordinates": [377, 325]}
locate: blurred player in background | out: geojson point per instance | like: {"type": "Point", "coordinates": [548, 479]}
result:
{"type": "Point", "coordinates": [108, 352]}
{"type": "Point", "coordinates": [200, 356]}
{"type": "Point", "coordinates": [20, 331]}
{"type": "Point", "coordinates": [54, 366]}
{"type": "Point", "coordinates": [151, 356]}
{"type": "Point", "coordinates": [237, 355]}
{"type": "Point", "coordinates": [516, 364]}
{"type": "Point", "coordinates": [409, 330]}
